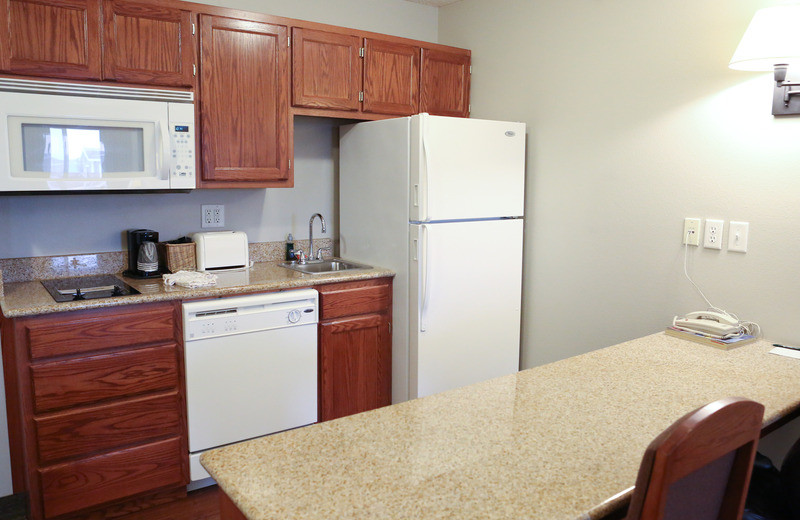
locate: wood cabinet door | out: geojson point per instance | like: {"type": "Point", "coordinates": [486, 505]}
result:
{"type": "Point", "coordinates": [326, 69]}
{"type": "Point", "coordinates": [391, 77]}
{"type": "Point", "coordinates": [444, 83]}
{"type": "Point", "coordinates": [147, 43]}
{"type": "Point", "coordinates": [53, 38]}
{"type": "Point", "coordinates": [354, 365]}
{"type": "Point", "coordinates": [244, 110]}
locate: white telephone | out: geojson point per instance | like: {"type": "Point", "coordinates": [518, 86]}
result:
{"type": "Point", "coordinates": [709, 323]}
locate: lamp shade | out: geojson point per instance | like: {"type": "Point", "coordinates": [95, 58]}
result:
{"type": "Point", "coordinates": [773, 37]}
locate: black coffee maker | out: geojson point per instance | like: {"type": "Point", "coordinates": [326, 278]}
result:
{"type": "Point", "coordinates": [142, 254]}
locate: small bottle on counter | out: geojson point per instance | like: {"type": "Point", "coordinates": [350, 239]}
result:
{"type": "Point", "coordinates": [290, 248]}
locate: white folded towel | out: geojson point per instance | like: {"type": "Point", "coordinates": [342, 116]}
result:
{"type": "Point", "coordinates": [190, 279]}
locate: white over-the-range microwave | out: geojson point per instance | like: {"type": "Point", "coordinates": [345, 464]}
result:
{"type": "Point", "coordinates": [80, 137]}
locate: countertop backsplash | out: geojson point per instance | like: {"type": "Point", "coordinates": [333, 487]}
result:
{"type": "Point", "coordinates": [46, 267]}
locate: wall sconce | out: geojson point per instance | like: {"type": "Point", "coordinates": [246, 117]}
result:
{"type": "Point", "coordinates": [772, 43]}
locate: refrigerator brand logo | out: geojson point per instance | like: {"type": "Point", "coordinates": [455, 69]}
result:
{"type": "Point", "coordinates": [510, 133]}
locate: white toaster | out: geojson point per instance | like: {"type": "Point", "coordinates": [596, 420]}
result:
{"type": "Point", "coordinates": [221, 250]}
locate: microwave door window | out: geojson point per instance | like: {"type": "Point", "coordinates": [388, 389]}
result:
{"type": "Point", "coordinates": [82, 152]}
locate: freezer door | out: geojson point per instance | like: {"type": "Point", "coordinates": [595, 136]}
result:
{"type": "Point", "coordinates": [465, 297]}
{"type": "Point", "coordinates": [466, 168]}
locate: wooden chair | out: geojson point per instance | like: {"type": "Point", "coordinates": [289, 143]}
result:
{"type": "Point", "coordinates": [699, 468]}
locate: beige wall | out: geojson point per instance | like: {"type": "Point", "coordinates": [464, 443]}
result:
{"type": "Point", "coordinates": [635, 122]}
{"type": "Point", "coordinates": [66, 224]}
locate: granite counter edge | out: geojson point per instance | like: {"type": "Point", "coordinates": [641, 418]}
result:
{"type": "Point", "coordinates": [187, 293]}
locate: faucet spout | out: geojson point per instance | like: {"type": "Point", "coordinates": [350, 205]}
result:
{"type": "Point", "coordinates": [311, 230]}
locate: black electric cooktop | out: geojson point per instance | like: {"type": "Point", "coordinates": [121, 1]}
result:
{"type": "Point", "coordinates": [87, 288]}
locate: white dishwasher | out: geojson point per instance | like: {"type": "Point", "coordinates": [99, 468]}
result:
{"type": "Point", "coordinates": [251, 368]}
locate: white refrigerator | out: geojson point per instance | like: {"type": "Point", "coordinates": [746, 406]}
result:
{"type": "Point", "coordinates": [440, 201]}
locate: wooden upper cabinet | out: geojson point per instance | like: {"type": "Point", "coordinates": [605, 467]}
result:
{"type": "Point", "coordinates": [244, 80]}
{"type": "Point", "coordinates": [444, 83]}
{"type": "Point", "coordinates": [147, 43]}
{"type": "Point", "coordinates": [326, 69]}
{"type": "Point", "coordinates": [391, 77]}
{"type": "Point", "coordinates": [52, 38]}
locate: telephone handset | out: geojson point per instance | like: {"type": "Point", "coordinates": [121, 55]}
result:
{"type": "Point", "coordinates": [714, 316]}
{"type": "Point", "coordinates": [709, 323]}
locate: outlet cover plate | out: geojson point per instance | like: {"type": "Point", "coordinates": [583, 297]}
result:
{"type": "Point", "coordinates": [212, 215]}
{"type": "Point", "coordinates": [713, 237]}
{"type": "Point", "coordinates": [691, 231]}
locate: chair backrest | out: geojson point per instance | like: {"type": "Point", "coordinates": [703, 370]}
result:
{"type": "Point", "coordinates": [699, 468]}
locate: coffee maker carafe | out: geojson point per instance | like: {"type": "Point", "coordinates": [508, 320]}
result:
{"type": "Point", "coordinates": [142, 254]}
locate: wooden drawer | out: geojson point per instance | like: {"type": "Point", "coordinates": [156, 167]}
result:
{"type": "Point", "coordinates": [89, 482]}
{"type": "Point", "coordinates": [353, 298]}
{"type": "Point", "coordinates": [60, 384]}
{"type": "Point", "coordinates": [100, 428]}
{"type": "Point", "coordinates": [96, 330]}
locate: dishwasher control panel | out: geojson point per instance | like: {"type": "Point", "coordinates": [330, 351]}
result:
{"type": "Point", "coordinates": [243, 314]}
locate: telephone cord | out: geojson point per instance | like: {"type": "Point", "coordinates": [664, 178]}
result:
{"type": "Point", "coordinates": [749, 327]}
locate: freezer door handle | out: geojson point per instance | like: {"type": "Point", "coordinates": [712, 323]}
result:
{"type": "Point", "coordinates": [425, 270]}
{"type": "Point", "coordinates": [424, 174]}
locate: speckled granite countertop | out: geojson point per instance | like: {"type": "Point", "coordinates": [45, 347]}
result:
{"type": "Point", "coordinates": [31, 298]}
{"type": "Point", "coordinates": [560, 441]}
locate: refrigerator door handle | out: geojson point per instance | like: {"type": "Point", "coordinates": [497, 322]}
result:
{"type": "Point", "coordinates": [425, 269]}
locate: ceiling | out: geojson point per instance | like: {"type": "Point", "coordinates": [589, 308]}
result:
{"type": "Point", "coordinates": [434, 3]}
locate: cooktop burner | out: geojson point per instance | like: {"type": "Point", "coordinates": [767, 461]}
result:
{"type": "Point", "coordinates": [87, 288]}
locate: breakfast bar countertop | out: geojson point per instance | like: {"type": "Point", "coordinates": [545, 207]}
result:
{"type": "Point", "coordinates": [561, 441]}
{"type": "Point", "coordinates": [30, 298]}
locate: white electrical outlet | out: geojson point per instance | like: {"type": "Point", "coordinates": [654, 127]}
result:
{"type": "Point", "coordinates": [737, 236]}
{"type": "Point", "coordinates": [212, 215]}
{"type": "Point", "coordinates": [691, 231]}
{"type": "Point", "coordinates": [713, 236]}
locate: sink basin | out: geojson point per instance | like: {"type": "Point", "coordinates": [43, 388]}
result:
{"type": "Point", "coordinates": [332, 265]}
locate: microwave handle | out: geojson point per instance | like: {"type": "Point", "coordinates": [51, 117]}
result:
{"type": "Point", "coordinates": [160, 150]}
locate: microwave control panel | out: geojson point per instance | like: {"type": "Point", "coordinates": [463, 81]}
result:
{"type": "Point", "coordinates": [182, 158]}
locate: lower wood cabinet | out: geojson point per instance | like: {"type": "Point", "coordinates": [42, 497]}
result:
{"type": "Point", "coordinates": [355, 347]}
{"type": "Point", "coordinates": [96, 398]}
{"type": "Point", "coordinates": [96, 408]}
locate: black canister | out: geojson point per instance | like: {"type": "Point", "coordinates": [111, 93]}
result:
{"type": "Point", "coordinates": [142, 254]}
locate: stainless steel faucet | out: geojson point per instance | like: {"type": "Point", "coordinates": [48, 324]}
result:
{"type": "Point", "coordinates": [311, 234]}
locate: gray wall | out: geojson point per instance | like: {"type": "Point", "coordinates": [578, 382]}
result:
{"type": "Point", "coordinates": [69, 224]}
{"type": "Point", "coordinates": [41, 225]}
{"type": "Point", "coordinates": [635, 122]}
